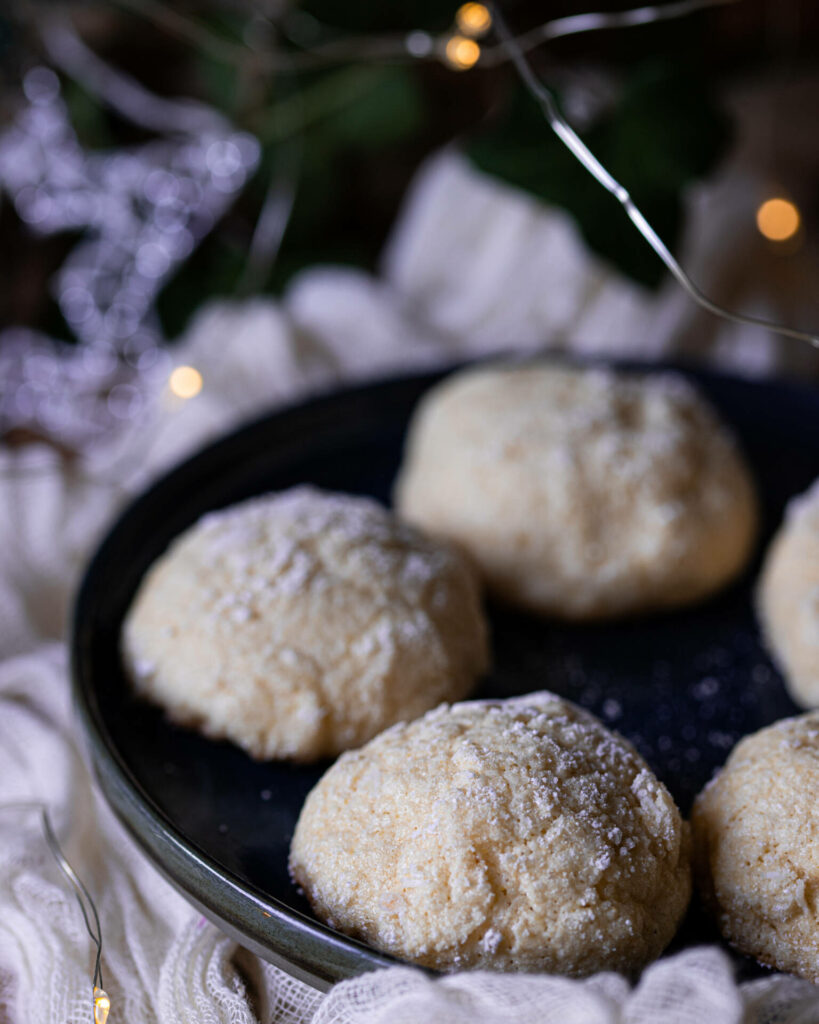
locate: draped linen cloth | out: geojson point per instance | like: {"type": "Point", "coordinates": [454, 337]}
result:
{"type": "Point", "coordinates": [502, 274]}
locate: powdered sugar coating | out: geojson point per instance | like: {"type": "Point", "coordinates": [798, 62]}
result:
{"type": "Point", "coordinates": [788, 598]}
{"type": "Point", "coordinates": [581, 493]}
{"type": "Point", "coordinates": [512, 835]}
{"type": "Point", "coordinates": [756, 846]}
{"type": "Point", "coordinates": [302, 623]}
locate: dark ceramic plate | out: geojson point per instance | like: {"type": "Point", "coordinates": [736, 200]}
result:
{"type": "Point", "coordinates": [683, 686]}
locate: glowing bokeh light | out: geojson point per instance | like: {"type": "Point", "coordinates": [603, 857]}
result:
{"type": "Point", "coordinates": [778, 219]}
{"type": "Point", "coordinates": [473, 19]}
{"type": "Point", "coordinates": [462, 53]}
{"type": "Point", "coordinates": [185, 382]}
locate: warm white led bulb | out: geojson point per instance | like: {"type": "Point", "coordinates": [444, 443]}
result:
{"type": "Point", "coordinates": [102, 1005]}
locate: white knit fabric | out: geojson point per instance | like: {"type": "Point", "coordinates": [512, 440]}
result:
{"type": "Point", "coordinates": [445, 294]}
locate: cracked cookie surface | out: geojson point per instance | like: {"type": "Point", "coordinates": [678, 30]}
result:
{"type": "Point", "coordinates": [510, 835]}
{"type": "Point", "coordinates": [301, 624]}
{"type": "Point", "coordinates": [581, 493]}
{"type": "Point", "coordinates": [788, 598]}
{"type": "Point", "coordinates": [756, 846]}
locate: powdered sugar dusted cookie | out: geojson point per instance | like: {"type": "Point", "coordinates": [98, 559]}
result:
{"type": "Point", "coordinates": [756, 846]}
{"type": "Point", "coordinates": [581, 492]}
{"type": "Point", "coordinates": [513, 835]}
{"type": "Point", "coordinates": [300, 624]}
{"type": "Point", "coordinates": [789, 598]}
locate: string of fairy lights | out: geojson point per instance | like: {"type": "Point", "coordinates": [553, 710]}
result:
{"type": "Point", "coordinates": [771, 214]}
{"type": "Point", "coordinates": [145, 210]}
{"type": "Point", "coordinates": [777, 218]}
{"type": "Point", "coordinates": [101, 1004]}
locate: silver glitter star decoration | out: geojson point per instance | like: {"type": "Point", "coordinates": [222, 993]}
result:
{"type": "Point", "coordinates": [141, 211]}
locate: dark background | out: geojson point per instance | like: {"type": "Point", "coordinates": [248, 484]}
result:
{"type": "Point", "coordinates": [369, 124]}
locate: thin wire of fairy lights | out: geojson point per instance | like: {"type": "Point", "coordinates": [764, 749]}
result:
{"type": "Point", "coordinates": [569, 137]}
{"type": "Point", "coordinates": [595, 21]}
{"type": "Point", "coordinates": [80, 396]}
{"type": "Point", "coordinates": [301, 29]}
{"type": "Point", "coordinates": [101, 1000]}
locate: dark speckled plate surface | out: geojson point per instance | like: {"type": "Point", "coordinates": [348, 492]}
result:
{"type": "Point", "coordinates": [683, 686]}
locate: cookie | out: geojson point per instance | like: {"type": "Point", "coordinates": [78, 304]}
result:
{"type": "Point", "coordinates": [756, 846]}
{"type": "Point", "coordinates": [581, 493]}
{"type": "Point", "coordinates": [509, 835]}
{"type": "Point", "coordinates": [300, 624]}
{"type": "Point", "coordinates": [788, 598]}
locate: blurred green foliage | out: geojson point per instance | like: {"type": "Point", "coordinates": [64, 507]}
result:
{"type": "Point", "coordinates": [357, 132]}
{"type": "Point", "coordinates": [351, 135]}
{"type": "Point", "coordinates": [663, 133]}
{"type": "Point", "coordinates": [341, 131]}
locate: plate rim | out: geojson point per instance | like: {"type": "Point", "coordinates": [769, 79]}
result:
{"type": "Point", "coordinates": [323, 955]}
{"type": "Point", "coordinates": [326, 956]}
